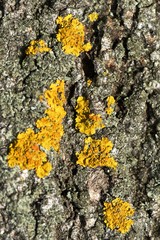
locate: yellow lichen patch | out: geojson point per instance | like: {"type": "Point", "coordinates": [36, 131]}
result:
{"type": "Point", "coordinates": [50, 134]}
{"type": "Point", "coordinates": [93, 16]}
{"type": "Point", "coordinates": [71, 34]}
{"type": "Point", "coordinates": [87, 122]}
{"type": "Point", "coordinates": [110, 105]}
{"type": "Point", "coordinates": [25, 152]}
{"type": "Point", "coordinates": [96, 153]}
{"type": "Point", "coordinates": [44, 170]}
{"type": "Point", "coordinates": [37, 46]}
{"type": "Point", "coordinates": [117, 213]}
{"type": "Point", "coordinates": [89, 82]}
{"type": "Point", "coordinates": [51, 128]}
{"type": "Point", "coordinates": [55, 96]}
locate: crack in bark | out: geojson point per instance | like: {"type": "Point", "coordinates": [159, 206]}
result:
{"type": "Point", "coordinates": [2, 9]}
{"type": "Point", "coordinates": [135, 19]}
{"type": "Point", "coordinates": [88, 67]}
{"type": "Point", "coordinates": [114, 7]}
{"type": "Point", "coordinates": [36, 212]}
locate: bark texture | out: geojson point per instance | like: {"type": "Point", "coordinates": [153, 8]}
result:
{"type": "Point", "coordinates": [124, 62]}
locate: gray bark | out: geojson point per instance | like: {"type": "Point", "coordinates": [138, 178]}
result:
{"type": "Point", "coordinates": [124, 62]}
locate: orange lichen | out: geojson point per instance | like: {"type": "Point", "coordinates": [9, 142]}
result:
{"type": "Point", "coordinates": [87, 122]}
{"type": "Point", "coordinates": [116, 215]}
{"type": "Point", "coordinates": [37, 46]}
{"type": "Point", "coordinates": [89, 82]}
{"type": "Point", "coordinates": [93, 16]}
{"type": "Point", "coordinates": [71, 34]}
{"type": "Point", "coordinates": [44, 170]}
{"type": "Point", "coordinates": [96, 153]}
{"type": "Point", "coordinates": [110, 105]}
{"type": "Point", "coordinates": [51, 128]}
{"type": "Point", "coordinates": [25, 152]}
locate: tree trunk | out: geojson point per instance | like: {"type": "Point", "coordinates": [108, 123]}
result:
{"type": "Point", "coordinates": [124, 63]}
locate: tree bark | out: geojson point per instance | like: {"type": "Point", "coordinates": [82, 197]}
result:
{"type": "Point", "coordinates": [124, 63]}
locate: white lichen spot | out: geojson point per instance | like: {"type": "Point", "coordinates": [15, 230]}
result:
{"type": "Point", "coordinates": [90, 222]}
{"type": "Point", "coordinates": [24, 174]}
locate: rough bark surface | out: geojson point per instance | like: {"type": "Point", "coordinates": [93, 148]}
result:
{"type": "Point", "coordinates": [124, 62]}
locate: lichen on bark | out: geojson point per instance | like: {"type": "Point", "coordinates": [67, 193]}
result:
{"type": "Point", "coordinates": [124, 63]}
